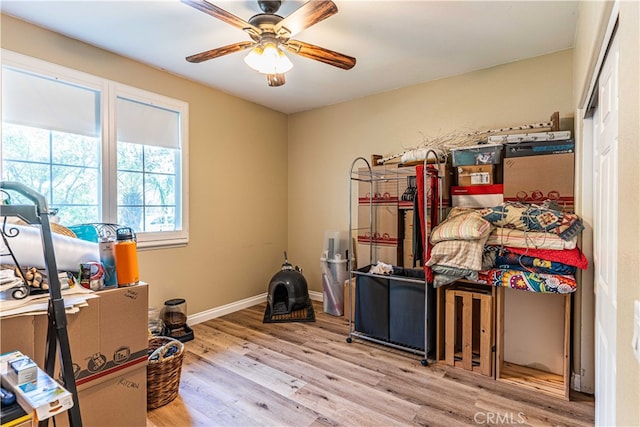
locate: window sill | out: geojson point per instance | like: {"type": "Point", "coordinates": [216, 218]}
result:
{"type": "Point", "coordinates": [152, 241]}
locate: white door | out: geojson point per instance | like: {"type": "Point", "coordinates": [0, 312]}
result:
{"type": "Point", "coordinates": [605, 186]}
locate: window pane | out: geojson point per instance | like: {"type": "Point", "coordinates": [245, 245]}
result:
{"type": "Point", "coordinates": [33, 175]}
{"type": "Point", "coordinates": [160, 160]}
{"type": "Point", "coordinates": [130, 189]}
{"type": "Point", "coordinates": [76, 214]}
{"type": "Point", "coordinates": [75, 185]}
{"type": "Point", "coordinates": [69, 149]}
{"type": "Point", "coordinates": [25, 143]}
{"type": "Point", "coordinates": [159, 190]}
{"type": "Point", "coordinates": [129, 157]}
{"type": "Point", "coordinates": [160, 219]}
{"type": "Point", "coordinates": [131, 217]}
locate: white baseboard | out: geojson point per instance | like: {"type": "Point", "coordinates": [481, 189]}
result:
{"type": "Point", "coordinates": [212, 313]}
{"type": "Point", "coordinates": [316, 296]}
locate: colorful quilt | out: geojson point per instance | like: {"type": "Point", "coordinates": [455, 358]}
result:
{"type": "Point", "coordinates": [534, 218]}
{"type": "Point", "coordinates": [573, 257]}
{"type": "Point", "coordinates": [527, 281]}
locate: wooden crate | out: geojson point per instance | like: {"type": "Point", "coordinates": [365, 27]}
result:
{"type": "Point", "coordinates": [469, 327]}
{"type": "Point", "coordinates": [537, 380]}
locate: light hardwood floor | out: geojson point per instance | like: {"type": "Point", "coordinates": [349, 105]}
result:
{"type": "Point", "coordinates": [240, 371]}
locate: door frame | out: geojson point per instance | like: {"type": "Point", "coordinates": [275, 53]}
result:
{"type": "Point", "coordinates": [584, 379]}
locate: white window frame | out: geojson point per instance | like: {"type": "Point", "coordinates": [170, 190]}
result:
{"type": "Point", "coordinates": [109, 91]}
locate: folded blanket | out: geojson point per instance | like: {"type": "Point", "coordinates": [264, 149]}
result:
{"type": "Point", "coordinates": [461, 224]}
{"type": "Point", "coordinates": [462, 254]}
{"type": "Point", "coordinates": [527, 281]}
{"type": "Point", "coordinates": [529, 239]}
{"type": "Point", "coordinates": [534, 218]}
{"type": "Point", "coordinates": [573, 257]}
{"type": "Point", "coordinates": [445, 275]}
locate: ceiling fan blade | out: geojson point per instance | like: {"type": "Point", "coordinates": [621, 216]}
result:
{"type": "Point", "coordinates": [221, 51]}
{"type": "Point", "coordinates": [307, 15]}
{"type": "Point", "coordinates": [321, 54]}
{"type": "Point", "coordinates": [223, 15]}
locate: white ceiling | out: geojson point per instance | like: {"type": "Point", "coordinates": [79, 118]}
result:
{"type": "Point", "coordinates": [396, 43]}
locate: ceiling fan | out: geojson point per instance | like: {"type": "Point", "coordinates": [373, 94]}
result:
{"type": "Point", "coordinates": [270, 34]}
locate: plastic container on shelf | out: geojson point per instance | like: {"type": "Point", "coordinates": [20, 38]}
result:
{"type": "Point", "coordinates": [483, 154]}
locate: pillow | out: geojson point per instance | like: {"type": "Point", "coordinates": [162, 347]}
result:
{"type": "Point", "coordinates": [461, 224]}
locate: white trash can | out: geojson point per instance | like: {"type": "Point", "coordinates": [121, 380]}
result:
{"type": "Point", "coordinates": [334, 273]}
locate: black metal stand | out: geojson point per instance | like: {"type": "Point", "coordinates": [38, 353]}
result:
{"type": "Point", "coordinates": [57, 336]}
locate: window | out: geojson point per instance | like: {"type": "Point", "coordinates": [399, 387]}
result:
{"type": "Point", "coordinates": [97, 150]}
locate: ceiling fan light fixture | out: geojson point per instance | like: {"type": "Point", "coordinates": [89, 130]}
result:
{"type": "Point", "coordinates": [275, 80]}
{"type": "Point", "coordinates": [268, 59]}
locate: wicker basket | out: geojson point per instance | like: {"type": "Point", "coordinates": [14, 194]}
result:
{"type": "Point", "coordinates": [163, 372]}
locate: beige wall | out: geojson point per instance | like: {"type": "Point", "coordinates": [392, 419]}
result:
{"type": "Point", "coordinates": [593, 19]}
{"type": "Point", "coordinates": [238, 166]}
{"type": "Point", "coordinates": [324, 142]}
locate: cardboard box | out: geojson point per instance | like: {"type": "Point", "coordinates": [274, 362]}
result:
{"type": "Point", "coordinates": [407, 254]}
{"type": "Point", "coordinates": [120, 401]}
{"type": "Point", "coordinates": [109, 342]}
{"type": "Point", "coordinates": [477, 196]}
{"type": "Point", "coordinates": [349, 308]}
{"type": "Point", "coordinates": [445, 172]}
{"type": "Point", "coordinates": [408, 224]}
{"type": "Point", "coordinates": [382, 191]}
{"type": "Point", "coordinates": [534, 179]}
{"type": "Point", "coordinates": [384, 253]}
{"type": "Point", "coordinates": [16, 333]}
{"type": "Point", "coordinates": [107, 338]}
{"type": "Point", "coordinates": [475, 175]}
{"type": "Point", "coordinates": [384, 222]}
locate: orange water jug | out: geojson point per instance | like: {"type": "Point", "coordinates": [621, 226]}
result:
{"type": "Point", "coordinates": [126, 254]}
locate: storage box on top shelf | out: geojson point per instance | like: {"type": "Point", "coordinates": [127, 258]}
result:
{"type": "Point", "coordinates": [483, 154]}
{"type": "Point", "coordinates": [558, 135]}
{"type": "Point", "coordinates": [477, 196]}
{"type": "Point", "coordinates": [475, 175]}
{"type": "Point", "coordinates": [538, 148]}
{"type": "Point", "coordinates": [534, 179]}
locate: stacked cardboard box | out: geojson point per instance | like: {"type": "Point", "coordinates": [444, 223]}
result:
{"type": "Point", "coordinates": [536, 178]}
{"type": "Point", "coordinates": [109, 342]}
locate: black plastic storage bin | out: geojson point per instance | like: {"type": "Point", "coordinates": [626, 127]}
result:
{"type": "Point", "coordinates": [372, 305]}
{"type": "Point", "coordinates": [407, 310]}
{"type": "Point", "coordinates": [392, 308]}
